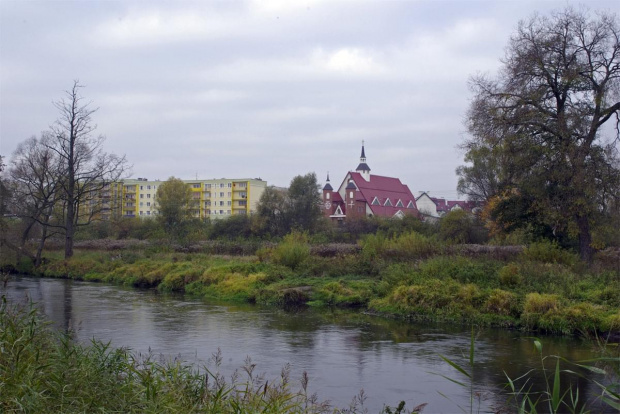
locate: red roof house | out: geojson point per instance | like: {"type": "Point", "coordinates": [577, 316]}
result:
{"type": "Point", "coordinates": [363, 194]}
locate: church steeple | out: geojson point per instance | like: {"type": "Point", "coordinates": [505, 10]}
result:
{"type": "Point", "coordinates": [328, 186]}
{"type": "Point", "coordinates": [363, 168]}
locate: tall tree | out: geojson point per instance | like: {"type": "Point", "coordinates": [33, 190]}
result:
{"type": "Point", "coordinates": [173, 203]}
{"type": "Point", "coordinates": [86, 168]}
{"type": "Point", "coordinates": [542, 118]}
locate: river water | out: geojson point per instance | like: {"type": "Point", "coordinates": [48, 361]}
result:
{"type": "Point", "coordinates": [342, 351]}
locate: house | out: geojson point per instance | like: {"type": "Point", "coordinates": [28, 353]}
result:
{"type": "Point", "coordinates": [433, 207]}
{"type": "Point", "coordinates": [362, 194]}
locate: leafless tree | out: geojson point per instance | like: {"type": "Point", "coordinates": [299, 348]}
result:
{"type": "Point", "coordinates": [86, 169]}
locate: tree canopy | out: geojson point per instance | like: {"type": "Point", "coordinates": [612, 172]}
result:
{"type": "Point", "coordinates": [173, 202]}
{"type": "Point", "coordinates": [540, 146]}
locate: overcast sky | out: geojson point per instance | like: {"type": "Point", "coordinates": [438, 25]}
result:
{"type": "Point", "coordinates": [268, 89]}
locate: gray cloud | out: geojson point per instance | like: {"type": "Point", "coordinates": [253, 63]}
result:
{"type": "Point", "coordinates": [261, 88]}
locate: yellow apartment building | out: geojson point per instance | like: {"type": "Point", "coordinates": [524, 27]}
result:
{"type": "Point", "coordinates": [213, 199]}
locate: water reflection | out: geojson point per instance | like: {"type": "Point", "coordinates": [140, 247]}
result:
{"type": "Point", "coordinates": [342, 352]}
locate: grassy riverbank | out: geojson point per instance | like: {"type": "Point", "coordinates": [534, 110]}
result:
{"type": "Point", "coordinates": [540, 287]}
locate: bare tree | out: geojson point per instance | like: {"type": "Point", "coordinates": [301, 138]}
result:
{"type": "Point", "coordinates": [86, 169]}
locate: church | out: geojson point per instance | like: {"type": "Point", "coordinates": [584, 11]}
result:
{"type": "Point", "coordinates": [362, 194]}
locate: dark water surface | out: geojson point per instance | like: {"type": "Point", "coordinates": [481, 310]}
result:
{"type": "Point", "coordinates": [343, 352]}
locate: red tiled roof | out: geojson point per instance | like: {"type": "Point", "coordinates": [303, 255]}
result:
{"type": "Point", "coordinates": [383, 188]}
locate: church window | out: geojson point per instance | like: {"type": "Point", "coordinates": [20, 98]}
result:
{"type": "Point", "coordinates": [375, 202]}
{"type": "Point", "coordinates": [327, 196]}
{"type": "Point", "coordinates": [410, 205]}
{"type": "Point", "coordinates": [400, 204]}
{"type": "Point", "coordinates": [351, 194]}
{"type": "Point", "coordinates": [388, 203]}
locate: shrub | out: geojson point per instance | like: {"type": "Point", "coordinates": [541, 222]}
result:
{"type": "Point", "coordinates": [540, 303]}
{"type": "Point", "coordinates": [509, 275]}
{"type": "Point", "coordinates": [413, 246]}
{"type": "Point", "coordinates": [293, 250]}
{"type": "Point", "coordinates": [548, 252]}
{"type": "Point", "coordinates": [501, 302]}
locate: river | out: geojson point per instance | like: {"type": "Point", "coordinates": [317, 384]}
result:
{"type": "Point", "coordinates": [342, 351]}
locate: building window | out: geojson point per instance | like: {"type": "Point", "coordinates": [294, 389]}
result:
{"type": "Point", "coordinates": [222, 212]}
{"type": "Point", "coordinates": [141, 212]}
{"type": "Point", "coordinates": [243, 203]}
{"type": "Point", "coordinates": [376, 202]}
{"type": "Point", "coordinates": [221, 203]}
{"type": "Point", "coordinates": [141, 187]}
{"type": "Point", "coordinates": [399, 204]}
{"type": "Point", "coordinates": [230, 203]}
{"type": "Point", "coordinates": [207, 185]}
{"type": "Point", "coordinates": [196, 185]}
{"type": "Point", "coordinates": [388, 203]}
{"type": "Point", "coordinates": [221, 185]}
{"type": "Point", "coordinates": [222, 194]}
{"type": "Point", "coordinates": [351, 194]}
{"type": "Point", "coordinates": [148, 187]}
{"type": "Point", "coordinates": [148, 213]}
{"type": "Point", "coordinates": [229, 185]}
{"type": "Point", "coordinates": [148, 196]}
{"type": "Point", "coordinates": [410, 205]}
{"type": "Point", "coordinates": [148, 204]}
{"type": "Point", "coordinates": [141, 203]}
{"type": "Point", "coordinates": [141, 195]}
{"type": "Point", "coordinates": [327, 196]}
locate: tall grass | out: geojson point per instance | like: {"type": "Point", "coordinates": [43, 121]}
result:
{"type": "Point", "coordinates": [44, 371]}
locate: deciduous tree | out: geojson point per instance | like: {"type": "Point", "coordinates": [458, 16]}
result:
{"type": "Point", "coordinates": [85, 168]}
{"type": "Point", "coordinates": [173, 204]}
{"type": "Point", "coordinates": [542, 120]}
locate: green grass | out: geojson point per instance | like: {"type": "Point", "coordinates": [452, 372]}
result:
{"type": "Point", "coordinates": [404, 275]}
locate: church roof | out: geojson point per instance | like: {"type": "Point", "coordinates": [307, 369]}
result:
{"type": "Point", "coordinates": [328, 187]}
{"type": "Point", "coordinates": [384, 189]}
{"type": "Point", "coordinates": [363, 166]}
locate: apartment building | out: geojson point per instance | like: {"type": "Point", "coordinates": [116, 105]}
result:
{"type": "Point", "coordinates": [213, 199]}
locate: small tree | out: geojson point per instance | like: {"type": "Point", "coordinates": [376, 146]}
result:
{"type": "Point", "coordinates": [173, 200]}
{"type": "Point", "coordinates": [35, 177]}
{"type": "Point", "coordinates": [304, 202]}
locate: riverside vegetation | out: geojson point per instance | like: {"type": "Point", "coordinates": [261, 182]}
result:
{"type": "Point", "coordinates": [540, 287]}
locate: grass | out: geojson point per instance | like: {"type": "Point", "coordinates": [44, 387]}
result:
{"type": "Point", "coordinates": [409, 275]}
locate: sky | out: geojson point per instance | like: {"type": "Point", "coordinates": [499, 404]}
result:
{"type": "Point", "coordinates": [269, 88]}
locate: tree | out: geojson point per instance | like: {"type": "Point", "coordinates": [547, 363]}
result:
{"type": "Point", "coordinates": [34, 177]}
{"type": "Point", "coordinates": [542, 120]}
{"type": "Point", "coordinates": [304, 202]}
{"type": "Point", "coordinates": [85, 168]}
{"type": "Point", "coordinates": [173, 199]}
{"type": "Point", "coordinates": [297, 208]}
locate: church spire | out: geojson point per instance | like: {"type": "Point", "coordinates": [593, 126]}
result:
{"type": "Point", "coordinates": [363, 168]}
{"type": "Point", "coordinates": [328, 186]}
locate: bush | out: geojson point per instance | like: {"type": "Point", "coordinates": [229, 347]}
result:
{"type": "Point", "coordinates": [510, 275]}
{"type": "Point", "coordinates": [501, 302]}
{"type": "Point", "coordinates": [292, 251]}
{"type": "Point", "coordinates": [549, 252]}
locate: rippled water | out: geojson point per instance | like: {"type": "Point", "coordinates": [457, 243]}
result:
{"type": "Point", "coordinates": [343, 352]}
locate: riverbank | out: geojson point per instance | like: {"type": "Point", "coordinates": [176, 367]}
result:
{"type": "Point", "coordinates": [538, 288]}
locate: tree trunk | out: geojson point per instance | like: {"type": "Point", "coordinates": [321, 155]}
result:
{"type": "Point", "coordinates": [69, 230]}
{"type": "Point", "coordinates": [586, 252]}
